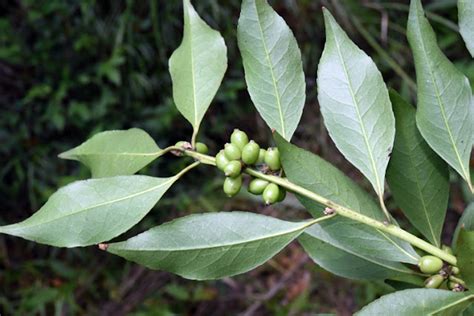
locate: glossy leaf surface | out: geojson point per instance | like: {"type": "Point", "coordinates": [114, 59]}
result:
{"type": "Point", "coordinates": [197, 67]}
{"type": "Point", "coordinates": [92, 211]}
{"type": "Point", "coordinates": [114, 153]}
{"type": "Point", "coordinates": [211, 245]}
{"type": "Point", "coordinates": [445, 103]}
{"type": "Point", "coordinates": [355, 104]}
{"type": "Point", "coordinates": [418, 178]}
{"type": "Point", "coordinates": [273, 67]}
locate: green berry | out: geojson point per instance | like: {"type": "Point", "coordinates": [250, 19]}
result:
{"type": "Point", "coordinates": [239, 138]}
{"type": "Point", "coordinates": [434, 281]}
{"type": "Point", "coordinates": [281, 195]}
{"type": "Point", "coordinates": [272, 159]}
{"type": "Point", "coordinates": [233, 168]}
{"type": "Point", "coordinates": [430, 264]}
{"type": "Point", "coordinates": [202, 148]}
{"type": "Point", "coordinates": [452, 285]}
{"type": "Point", "coordinates": [261, 156]}
{"type": "Point", "coordinates": [454, 270]}
{"type": "Point", "coordinates": [232, 185]}
{"type": "Point", "coordinates": [271, 193]}
{"type": "Point", "coordinates": [250, 153]}
{"type": "Point", "coordinates": [221, 160]}
{"type": "Point", "coordinates": [257, 186]}
{"type": "Point", "coordinates": [232, 152]}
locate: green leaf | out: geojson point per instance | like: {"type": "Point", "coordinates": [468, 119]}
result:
{"type": "Point", "coordinates": [419, 302]}
{"type": "Point", "coordinates": [466, 221]}
{"type": "Point", "coordinates": [210, 246]}
{"type": "Point", "coordinates": [317, 175]}
{"type": "Point", "coordinates": [197, 67]}
{"type": "Point", "coordinates": [466, 23]}
{"type": "Point", "coordinates": [115, 153]}
{"type": "Point", "coordinates": [445, 104]}
{"type": "Point", "coordinates": [418, 178]}
{"type": "Point", "coordinates": [351, 264]}
{"type": "Point", "coordinates": [355, 105]}
{"type": "Point", "coordinates": [465, 255]}
{"type": "Point", "coordinates": [92, 211]}
{"type": "Point", "coordinates": [463, 245]}
{"type": "Point", "coordinates": [273, 67]}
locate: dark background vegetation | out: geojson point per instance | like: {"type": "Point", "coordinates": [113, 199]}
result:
{"type": "Point", "coordinates": [69, 69]}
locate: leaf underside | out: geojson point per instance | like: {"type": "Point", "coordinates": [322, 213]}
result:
{"type": "Point", "coordinates": [197, 67]}
{"type": "Point", "coordinates": [210, 246]}
{"type": "Point", "coordinates": [419, 302]}
{"type": "Point", "coordinates": [273, 67]}
{"type": "Point", "coordinates": [466, 23]}
{"type": "Point", "coordinates": [445, 103]}
{"type": "Point", "coordinates": [418, 178]}
{"type": "Point", "coordinates": [115, 153]}
{"type": "Point", "coordinates": [355, 104]}
{"type": "Point", "coordinates": [347, 236]}
{"type": "Point", "coordinates": [91, 211]}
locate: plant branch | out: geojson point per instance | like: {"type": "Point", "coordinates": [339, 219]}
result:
{"type": "Point", "coordinates": [339, 209]}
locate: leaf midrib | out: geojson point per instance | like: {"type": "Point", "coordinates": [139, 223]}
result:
{"type": "Point", "coordinates": [218, 246]}
{"type": "Point", "coordinates": [195, 120]}
{"type": "Point", "coordinates": [354, 100]}
{"type": "Point", "coordinates": [397, 245]}
{"type": "Point", "coordinates": [275, 87]}
{"type": "Point", "coordinates": [425, 210]}
{"type": "Point", "coordinates": [466, 298]}
{"type": "Point", "coordinates": [20, 227]}
{"type": "Point", "coordinates": [118, 154]}
{"type": "Point", "coordinates": [370, 259]}
{"type": "Point", "coordinates": [438, 98]}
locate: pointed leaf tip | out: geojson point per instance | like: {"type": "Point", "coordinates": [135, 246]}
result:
{"type": "Point", "coordinates": [197, 67]}
{"type": "Point", "coordinates": [355, 104]}
{"type": "Point", "coordinates": [273, 66]}
{"type": "Point", "coordinates": [444, 111]}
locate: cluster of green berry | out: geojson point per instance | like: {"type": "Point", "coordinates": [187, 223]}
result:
{"type": "Point", "coordinates": [440, 272]}
{"type": "Point", "coordinates": [240, 153]}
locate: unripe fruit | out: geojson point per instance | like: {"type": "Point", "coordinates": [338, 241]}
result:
{"type": "Point", "coordinates": [232, 185]}
{"type": "Point", "coordinates": [271, 193]}
{"type": "Point", "coordinates": [452, 285]}
{"type": "Point", "coordinates": [250, 153]}
{"type": "Point", "coordinates": [202, 148]}
{"type": "Point", "coordinates": [233, 168]}
{"type": "Point", "coordinates": [272, 159]}
{"type": "Point", "coordinates": [261, 156]}
{"type": "Point", "coordinates": [434, 281]}
{"type": "Point", "coordinates": [221, 160]}
{"type": "Point", "coordinates": [281, 195]}
{"type": "Point", "coordinates": [257, 186]}
{"type": "Point", "coordinates": [239, 138]}
{"type": "Point", "coordinates": [430, 264]}
{"type": "Point", "coordinates": [454, 270]}
{"type": "Point", "coordinates": [232, 152]}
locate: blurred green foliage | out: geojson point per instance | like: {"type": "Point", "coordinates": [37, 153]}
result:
{"type": "Point", "coordinates": [70, 68]}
